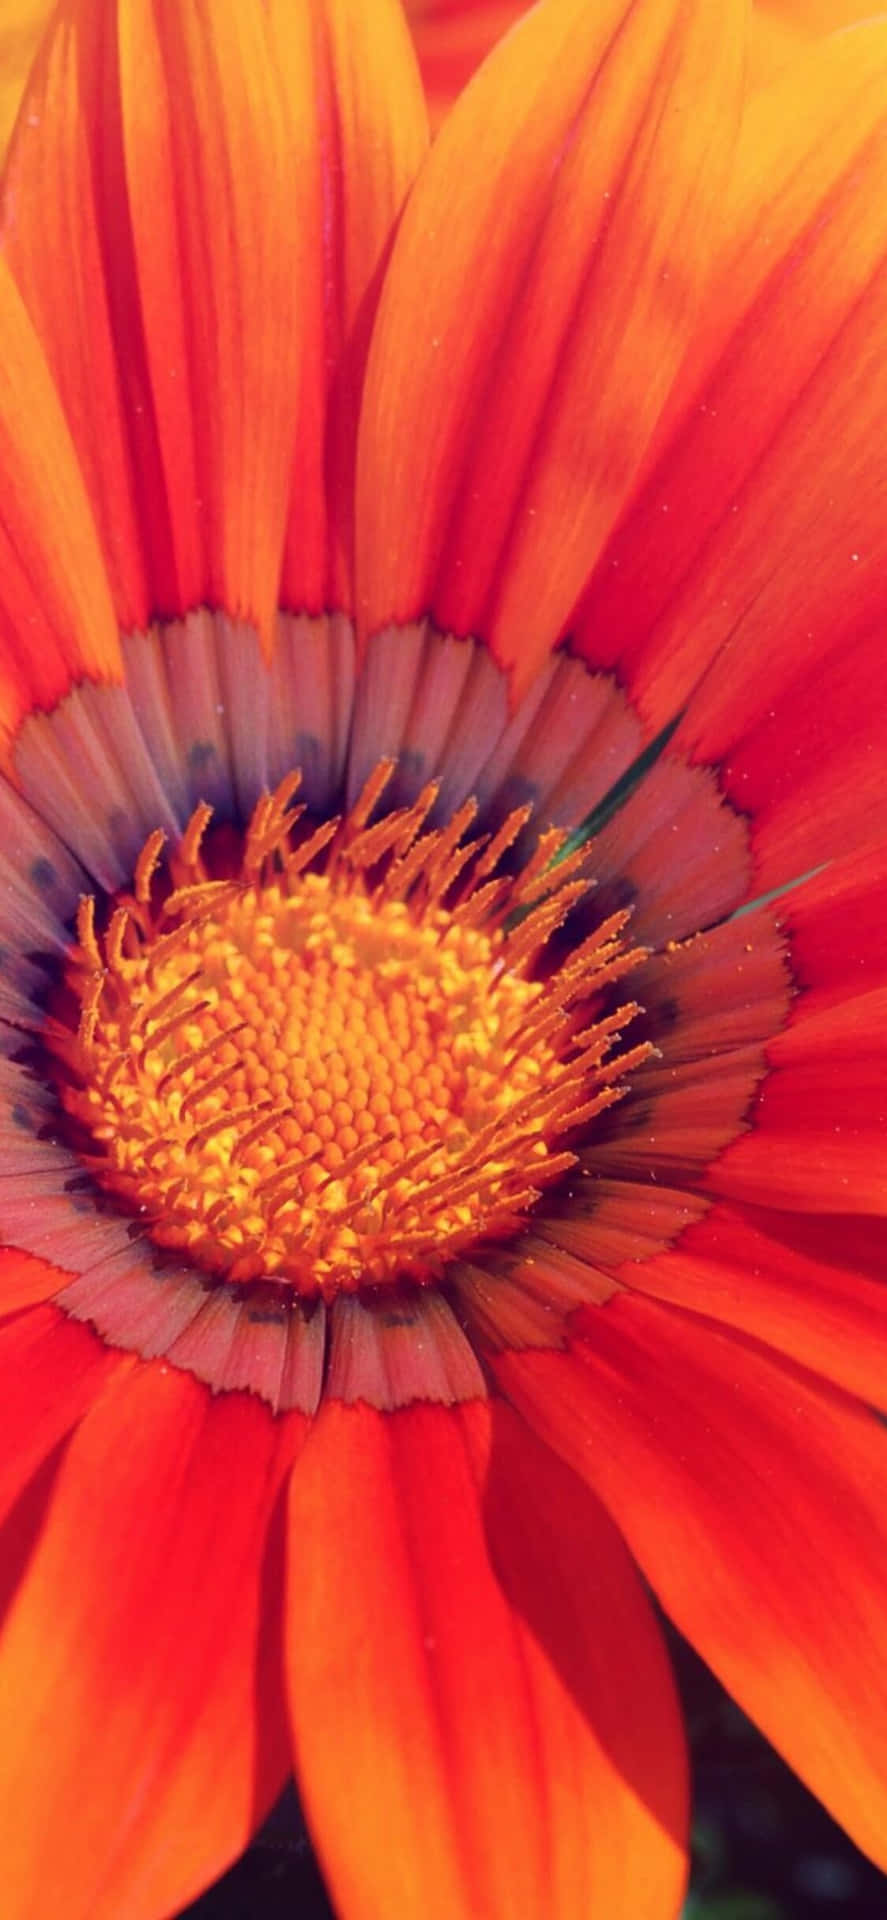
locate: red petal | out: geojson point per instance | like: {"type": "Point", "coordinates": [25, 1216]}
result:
{"type": "Point", "coordinates": [819, 1123]}
{"type": "Point", "coordinates": [811, 1287]}
{"type": "Point", "coordinates": [142, 1737]}
{"type": "Point", "coordinates": [537, 304]}
{"type": "Point", "coordinates": [837, 926]}
{"type": "Point", "coordinates": [711, 1003]}
{"type": "Point", "coordinates": [817, 1129]}
{"type": "Point", "coordinates": [364, 131]}
{"type": "Point", "coordinates": [808, 770]}
{"type": "Point", "coordinates": [26, 1280]}
{"type": "Point", "coordinates": [153, 223]}
{"type": "Point", "coordinates": [756, 1507]}
{"type": "Point", "coordinates": [759, 1090]}
{"type": "Point", "coordinates": [51, 1369]}
{"type": "Point", "coordinates": [471, 1742]}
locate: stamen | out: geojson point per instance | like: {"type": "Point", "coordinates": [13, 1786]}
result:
{"type": "Point", "coordinates": [146, 866]}
{"type": "Point", "coordinates": [192, 839]}
{"type": "Point", "coordinates": [90, 953]}
{"type": "Point", "coordinates": [341, 1067]}
{"type": "Point", "coordinates": [511, 827]}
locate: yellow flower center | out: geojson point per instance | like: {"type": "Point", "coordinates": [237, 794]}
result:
{"type": "Point", "coordinates": [337, 1066]}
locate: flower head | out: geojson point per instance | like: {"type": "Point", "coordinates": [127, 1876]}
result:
{"type": "Point", "coordinates": [442, 723]}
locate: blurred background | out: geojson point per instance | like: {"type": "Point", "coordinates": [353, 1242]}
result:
{"type": "Point", "coordinates": [763, 1848]}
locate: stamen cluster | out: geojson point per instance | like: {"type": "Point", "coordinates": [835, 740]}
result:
{"type": "Point", "coordinates": [339, 1066]}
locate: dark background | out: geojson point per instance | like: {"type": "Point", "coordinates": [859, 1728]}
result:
{"type": "Point", "coordinates": [763, 1848]}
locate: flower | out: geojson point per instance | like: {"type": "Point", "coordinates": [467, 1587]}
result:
{"type": "Point", "coordinates": [423, 1207]}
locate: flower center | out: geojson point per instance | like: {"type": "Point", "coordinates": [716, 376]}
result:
{"type": "Point", "coordinates": [332, 1062]}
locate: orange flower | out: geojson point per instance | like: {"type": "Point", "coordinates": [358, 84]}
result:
{"type": "Point", "coordinates": [443, 909]}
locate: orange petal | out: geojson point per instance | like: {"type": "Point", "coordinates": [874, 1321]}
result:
{"type": "Point", "coordinates": [755, 1505]}
{"type": "Point", "coordinates": [366, 131]}
{"type": "Point", "coordinates": [56, 619]}
{"type": "Point", "coordinates": [152, 221]}
{"type": "Point", "coordinates": [452, 38]}
{"type": "Point", "coordinates": [811, 18]}
{"type": "Point", "coordinates": [22, 24]}
{"type": "Point", "coordinates": [538, 301]}
{"type": "Point", "coordinates": [759, 536]}
{"type": "Point", "coordinates": [779, 30]}
{"type": "Point", "coordinates": [141, 1737]}
{"type": "Point", "coordinates": [483, 1717]}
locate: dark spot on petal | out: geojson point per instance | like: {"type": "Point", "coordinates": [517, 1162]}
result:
{"type": "Point", "coordinates": [200, 754]}
{"type": "Point", "coordinates": [84, 1202]}
{"type": "Point", "coordinates": [411, 763]}
{"type": "Point", "coordinates": [43, 874]}
{"type": "Point", "coordinates": [266, 1316]}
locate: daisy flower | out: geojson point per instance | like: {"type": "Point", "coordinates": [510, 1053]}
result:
{"type": "Point", "coordinates": [442, 716]}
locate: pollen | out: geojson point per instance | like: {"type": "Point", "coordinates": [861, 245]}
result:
{"type": "Point", "coordinates": [339, 1055]}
